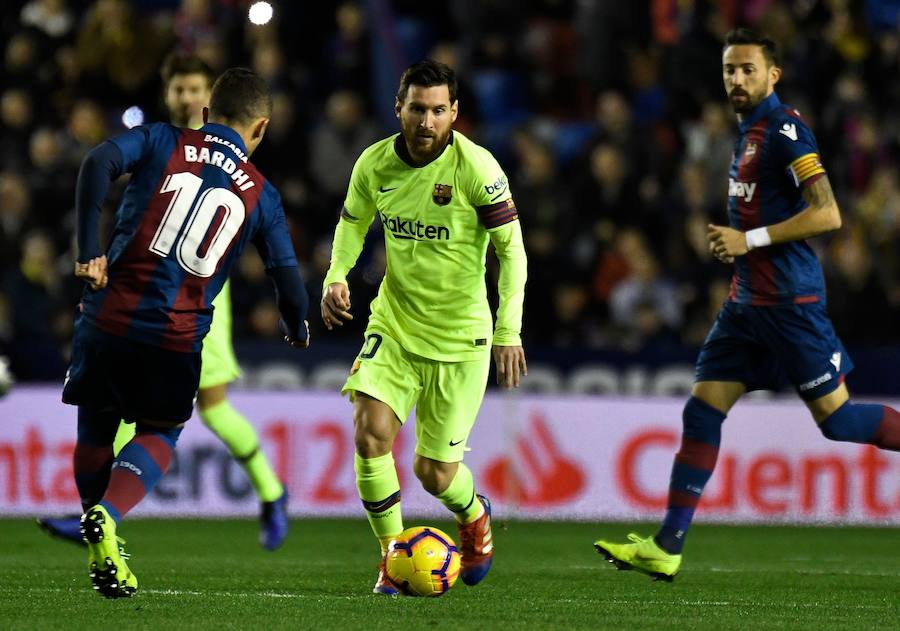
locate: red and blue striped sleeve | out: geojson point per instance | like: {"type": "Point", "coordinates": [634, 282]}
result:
{"type": "Point", "coordinates": [102, 165]}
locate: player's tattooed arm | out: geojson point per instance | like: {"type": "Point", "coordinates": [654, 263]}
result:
{"type": "Point", "coordinates": [821, 215]}
{"type": "Point", "coordinates": [819, 194]}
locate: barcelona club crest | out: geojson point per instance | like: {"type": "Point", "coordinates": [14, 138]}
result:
{"type": "Point", "coordinates": [442, 195]}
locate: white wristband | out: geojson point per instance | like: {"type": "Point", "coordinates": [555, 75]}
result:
{"type": "Point", "coordinates": [758, 238]}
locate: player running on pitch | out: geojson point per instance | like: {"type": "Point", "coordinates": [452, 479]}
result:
{"type": "Point", "coordinates": [441, 199]}
{"type": "Point", "coordinates": [775, 319]}
{"type": "Point", "coordinates": [193, 204]}
{"type": "Point", "coordinates": [187, 83]}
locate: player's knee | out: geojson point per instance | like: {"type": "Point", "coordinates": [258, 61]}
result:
{"type": "Point", "coordinates": [853, 422]}
{"type": "Point", "coordinates": [701, 421]}
{"type": "Point", "coordinates": [371, 438]}
{"type": "Point", "coordinates": [213, 415]}
{"type": "Point", "coordinates": [168, 434]}
{"type": "Point", "coordinates": [435, 476]}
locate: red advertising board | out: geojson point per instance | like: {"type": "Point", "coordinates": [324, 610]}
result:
{"type": "Point", "coordinates": [536, 457]}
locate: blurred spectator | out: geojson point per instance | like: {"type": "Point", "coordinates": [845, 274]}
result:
{"type": "Point", "coordinates": [345, 59]}
{"type": "Point", "coordinates": [608, 117]}
{"type": "Point", "coordinates": [49, 177]}
{"type": "Point", "coordinates": [51, 17]}
{"type": "Point", "coordinates": [710, 142]}
{"type": "Point", "coordinates": [336, 144]}
{"type": "Point", "coordinates": [86, 129]}
{"type": "Point", "coordinates": [32, 289]}
{"type": "Point", "coordinates": [119, 52]}
{"type": "Point", "coordinates": [15, 213]}
{"type": "Point", "coordinates": [644, 306]}
{"type": "Point", "coordinates": [16, 118]}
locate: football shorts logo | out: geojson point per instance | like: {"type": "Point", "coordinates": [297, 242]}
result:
{"type": "Point", "coordinates": [789, 130]}
{"type": "Point", "coordinates": [836, 361]}
{"type": "Point", "coordinates": [442, 194]}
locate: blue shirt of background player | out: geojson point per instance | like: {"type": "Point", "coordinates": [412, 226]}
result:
{"type": "Point", "coordinates": [764, 190]}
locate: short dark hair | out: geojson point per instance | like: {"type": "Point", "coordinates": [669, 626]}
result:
{"type": "Point", "coordinates": [741, 36]}
{"type": "Point", "coordinates": [177, 64]}
{"type": "Point", "coordinates": [427, 74]}
{"type": "Point", "coordinates": [239, 95]}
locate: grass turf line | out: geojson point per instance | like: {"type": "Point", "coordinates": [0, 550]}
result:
{"type": "Point", "coordinates": [205, 574]}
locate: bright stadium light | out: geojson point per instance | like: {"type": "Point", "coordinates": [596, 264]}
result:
{"type": "Point", "coordinates": [133, 116]}
{"type": "Point", "coordinates": [260, 13]}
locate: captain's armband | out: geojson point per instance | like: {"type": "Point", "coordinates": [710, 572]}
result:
{"type": "Point", "coordinates": [806, 169]}
{"type": "Point", "coordinates": [496, 215]}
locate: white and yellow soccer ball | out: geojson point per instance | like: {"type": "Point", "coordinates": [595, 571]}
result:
{"type": "Point", "coordinates": [422, 561]}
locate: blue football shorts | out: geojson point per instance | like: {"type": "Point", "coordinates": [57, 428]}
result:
{"type": "Point", "coordinates": [139, 381]}
{"type": "Point", "coordinates": [772, 346]}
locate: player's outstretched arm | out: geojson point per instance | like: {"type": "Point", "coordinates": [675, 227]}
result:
{"type": "Point", "coordinates": [103, 164]}
{"type": "Point", "coordinates": [820, 216]}
{"type": "Point", "coordinates": [509, 356]}
{"type": "Point", "coordinates": [336, 305]}
{"type": "Point", "coordinates": [349, 237]}
{"type": "Point", "coordinates": [293, 303]}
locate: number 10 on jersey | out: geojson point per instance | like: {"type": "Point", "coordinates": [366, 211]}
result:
{"type": "Point", "coordinates": [199, 213]}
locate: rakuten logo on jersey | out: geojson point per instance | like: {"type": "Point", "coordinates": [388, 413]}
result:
{"type": "Point", "coordinates": [414, 229]}
{"type": "Point", "coordinates": [744, 190]}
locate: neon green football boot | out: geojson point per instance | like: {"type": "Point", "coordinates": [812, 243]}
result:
{"type": "Point", "coordinates": [106, 555]}
{"type": "Point", "coordinates": [643, 555]}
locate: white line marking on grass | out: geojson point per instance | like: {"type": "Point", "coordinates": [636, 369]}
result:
{"type": "Point", "coordinates": [187, 592]}
{"type": "Point", "coordinates": [738, 603]}
{"type": "Point", "coordinates": [769, 570]}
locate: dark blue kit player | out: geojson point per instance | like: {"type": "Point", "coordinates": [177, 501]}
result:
{"type": "Point", "coordinates": [774, 324]}
{"type": "Point", "coordinates": [192, 206]}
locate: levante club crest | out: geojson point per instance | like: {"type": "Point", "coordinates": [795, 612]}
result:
{"type": "Point", "coordinates": [442, 195]}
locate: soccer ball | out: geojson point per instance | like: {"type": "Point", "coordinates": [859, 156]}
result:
{"type": "Point", "coordinates": [422, 561]}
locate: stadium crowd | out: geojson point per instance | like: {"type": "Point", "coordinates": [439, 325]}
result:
{"type": "Point", "coordinates": [609, 118]}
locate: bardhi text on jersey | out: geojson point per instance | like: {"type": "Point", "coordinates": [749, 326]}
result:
{"type": "Point", "coordinates": [218, 159]}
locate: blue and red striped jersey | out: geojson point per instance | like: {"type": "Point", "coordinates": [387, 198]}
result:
{"type": "Point", "coordinates": [775, 157]}
{"type": "Point", "coordinates": [193, 204]}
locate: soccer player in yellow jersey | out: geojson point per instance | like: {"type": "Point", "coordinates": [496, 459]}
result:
{"type": "Point", "coordinates": [441, 198]}
{"type": "Point", "coordinates": [188, 83]}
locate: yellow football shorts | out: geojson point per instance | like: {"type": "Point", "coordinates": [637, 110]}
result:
{"type": "Point", "coordinates": [446, 395]}
{"type": "Point", "coordinates": [218, 362]}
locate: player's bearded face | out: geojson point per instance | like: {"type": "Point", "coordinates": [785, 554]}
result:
{"type": "Point", "coordinates": [426, 118]}
{"type": "Point", "coordinates": [186, 96]}
{"type": "Point", "coordinates": [748, 77]}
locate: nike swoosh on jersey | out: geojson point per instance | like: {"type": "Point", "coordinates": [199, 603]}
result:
{"type": "Point", "coordinates": [455, 443]}
{"type": "Point", "coordinates": [382, 189]}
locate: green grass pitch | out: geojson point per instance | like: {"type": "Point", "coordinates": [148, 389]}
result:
{"type": "Point", "coordinates": [212, 575]}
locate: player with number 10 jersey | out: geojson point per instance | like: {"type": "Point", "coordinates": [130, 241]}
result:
{"type": "Point", "coordinates": [193, 204]}
{"type": "Point", "coordinates": [162, 280]}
